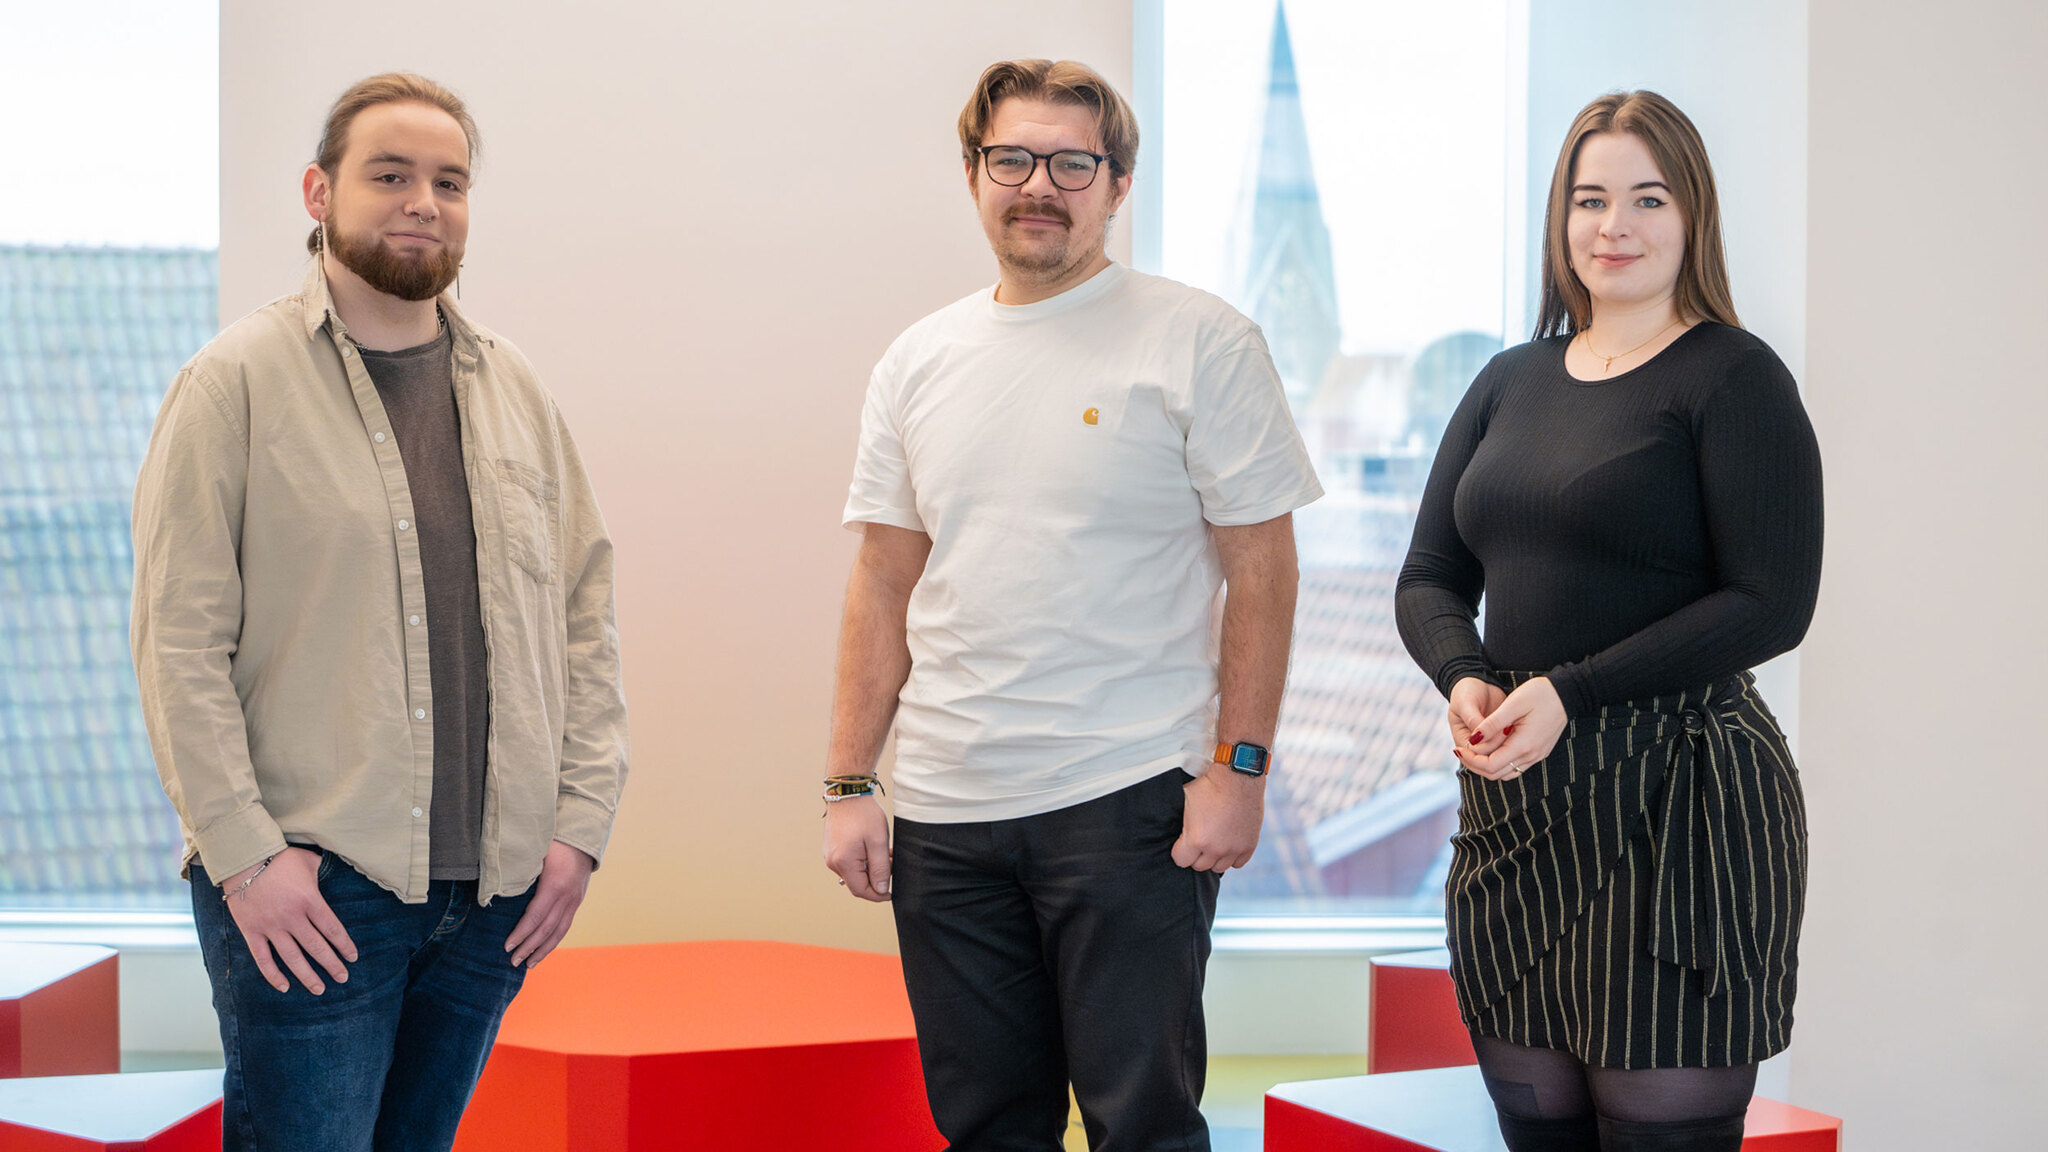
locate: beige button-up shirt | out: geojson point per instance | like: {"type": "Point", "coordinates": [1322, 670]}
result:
{"type": "Point", "coordinates": [280, 616]}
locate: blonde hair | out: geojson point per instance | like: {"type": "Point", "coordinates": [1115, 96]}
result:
{"type": "Point", "coordinates": [385, 88]}
{"type": "Point", "coordinates": [1055, 82]}
{"type": "Point", "coordinates": [1681, 156]}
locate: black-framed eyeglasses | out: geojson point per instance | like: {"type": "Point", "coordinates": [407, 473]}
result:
{"type": "Point", "coordinates": [1071, 170]}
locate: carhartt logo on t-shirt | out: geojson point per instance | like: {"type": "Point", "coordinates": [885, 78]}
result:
{"type": "Point", "coordinates": [1092, 416]}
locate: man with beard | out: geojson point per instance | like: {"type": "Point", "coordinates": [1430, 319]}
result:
{"type": "Point", "coordinates": [373, 629]}
{"type": "Point", "coordinates": [1055, 477]}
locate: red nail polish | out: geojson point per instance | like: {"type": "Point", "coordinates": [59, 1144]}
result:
{"type": "Point", "coordinates": [1478, 738]}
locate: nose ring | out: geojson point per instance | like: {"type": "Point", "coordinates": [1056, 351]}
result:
{"type": "Point", "coordinates": [423, 219]}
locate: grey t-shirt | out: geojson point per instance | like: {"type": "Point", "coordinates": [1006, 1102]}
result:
{"type": "Point", "coordinates": [417, 386]}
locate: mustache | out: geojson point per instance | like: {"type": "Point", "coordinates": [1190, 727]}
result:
{"type": "Point", "coordinates": [1045, 208]}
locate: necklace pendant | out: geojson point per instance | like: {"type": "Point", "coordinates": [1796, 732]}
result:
{"type": "Point", "coordinates": [1609, 365]}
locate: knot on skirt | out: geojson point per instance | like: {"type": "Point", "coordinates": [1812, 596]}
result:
{"type": "Point", "coordinates": [1702, 899]}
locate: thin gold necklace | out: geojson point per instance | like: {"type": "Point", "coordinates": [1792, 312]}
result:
{"type": "Point", "coordinates": [1607, 364]}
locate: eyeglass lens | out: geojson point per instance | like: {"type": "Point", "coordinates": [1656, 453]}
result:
{"type": "Point", "coordinates": [1070, 171]}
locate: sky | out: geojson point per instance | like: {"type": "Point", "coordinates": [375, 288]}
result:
{"type": "Point", "coordinates": [110, 122]}
{"type": "Point", "coordinates": [1408, 115]}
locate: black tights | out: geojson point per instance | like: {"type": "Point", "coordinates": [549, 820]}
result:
{"type": "Point", "coordinates": [1551, 1101]}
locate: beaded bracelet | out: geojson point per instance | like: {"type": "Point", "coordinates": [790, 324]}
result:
{"type": "Point", "coordinates": [839, 788]}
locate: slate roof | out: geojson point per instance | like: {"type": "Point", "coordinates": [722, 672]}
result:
{"type": "Point", "coordinates": [1359, 719]}
{"type": "Point", "coordinates": [89, 339]}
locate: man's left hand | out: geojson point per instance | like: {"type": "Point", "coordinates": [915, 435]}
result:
{"type": "Point", "coordinates": [1220, 826]}
{"type": "Point", "coordinates": [564, 876]}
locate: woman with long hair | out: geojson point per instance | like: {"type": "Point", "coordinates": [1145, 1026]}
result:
{"type": "Point", "coordinates": [1636, 493]}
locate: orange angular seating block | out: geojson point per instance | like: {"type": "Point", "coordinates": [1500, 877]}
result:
{"type": "Point", "coordinates": [60, 1009]}
{"type": "Point", "coordinates": [1447, 1110]}
{"type": "Point", "coordinates": [1412, 1014]}
{"type": "Point", "coordinates": [726, 1045]}
{"type": "Point", "coordinates": [135, 1112]}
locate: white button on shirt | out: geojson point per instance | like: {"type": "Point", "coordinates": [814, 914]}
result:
{"type": "Point", "coordinates": [403, 525]}
{"type": "Point", "coordinates": [419, 713]}
{"type": "Point", "coordinates": [413, 620]}
{"type": "Point", "coordinates": [417, 813]}
{"type": "Point", "coordinates": [379, 437]}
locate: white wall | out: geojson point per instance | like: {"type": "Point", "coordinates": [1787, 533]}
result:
{"type": "Point", "coordinates": [649, 225]}
{"type": "Point", "coordinates": [1738, 70]}
{"type": "Point", "coordinates": [1922, 1014]}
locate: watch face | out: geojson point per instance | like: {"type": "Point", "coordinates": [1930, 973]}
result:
{"type": "Point", "coordinates": [1248, 756]}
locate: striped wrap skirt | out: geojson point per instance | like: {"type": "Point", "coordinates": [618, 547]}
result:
{"type": "Point", "coordinates": [1634, 898]}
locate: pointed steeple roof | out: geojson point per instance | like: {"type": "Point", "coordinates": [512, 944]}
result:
{"type": "Point", "coordinates": [1287, 284]}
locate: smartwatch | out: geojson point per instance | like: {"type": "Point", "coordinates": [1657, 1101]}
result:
{"type": "Point", "coordinates": [1249, 759]}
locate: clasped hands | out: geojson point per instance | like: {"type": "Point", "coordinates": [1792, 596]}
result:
{"type": "Point", "coordinates": [1497, 734]}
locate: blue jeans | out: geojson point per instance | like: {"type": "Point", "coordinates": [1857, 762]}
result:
{"type": "Point", "coordinates": [384, 1062]}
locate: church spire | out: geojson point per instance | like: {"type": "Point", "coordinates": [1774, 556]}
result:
{"type": "Point", "coordinates": [1286, 282]}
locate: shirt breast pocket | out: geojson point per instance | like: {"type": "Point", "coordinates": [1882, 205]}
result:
{"type": "Point", "coordinates": [529, 500]}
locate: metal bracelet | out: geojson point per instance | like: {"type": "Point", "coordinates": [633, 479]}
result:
{"type": "Point", "coordinates": [251, 878]}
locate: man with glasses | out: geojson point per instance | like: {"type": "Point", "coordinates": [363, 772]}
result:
{"type": "Point", "coordinates": [1055, 477]}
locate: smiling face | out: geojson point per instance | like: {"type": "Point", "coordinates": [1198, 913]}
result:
{"type": "Point", "coordinates": [396, 208]}
{"type": "Point", "coordinates": [1041, 234]}
{"type": "Point", "coordinates": [1625, 232]}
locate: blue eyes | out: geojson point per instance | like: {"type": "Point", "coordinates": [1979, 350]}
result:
{"type": "Point", "coordinates": [1595, 203]}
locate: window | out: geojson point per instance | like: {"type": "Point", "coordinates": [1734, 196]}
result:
{"type": "Point", "coordinates": [108, 274]}
{"type": "Point", "coordinates": [1340, 172]}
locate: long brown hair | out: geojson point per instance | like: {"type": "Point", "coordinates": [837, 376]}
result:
{"type": "Point", "coordinates": [385, 88]}
{"type": "Point", "coordinates": [1682, 157]}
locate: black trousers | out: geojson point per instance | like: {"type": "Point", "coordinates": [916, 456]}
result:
{"type": "Point", "coordinates": [1063, 947]}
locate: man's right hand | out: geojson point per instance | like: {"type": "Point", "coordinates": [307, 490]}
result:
{"type": "Point", "coordinates": [283, 912]}
{"type": "Point", "coordinates": [857, 846]}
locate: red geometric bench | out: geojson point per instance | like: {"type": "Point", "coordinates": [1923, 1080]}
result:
{"type": "Point", "coordinates": [1412, 1014]}
{"type": "Point", "coordinates": [1448, 1110]}
{"type": "Point", "coordinates": [732, 1045]}
{"type": "Point", "coordinates": [133, 1112]}
{"type": "Point", "coordinates": [60, 1010]}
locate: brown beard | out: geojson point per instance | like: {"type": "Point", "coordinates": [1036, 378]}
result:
{"type": "Point", "coordinates": [420, 275]}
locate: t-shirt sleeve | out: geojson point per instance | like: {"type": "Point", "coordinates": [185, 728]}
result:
{"type": "Point", "coordinates": [881, 491]}
{"type": "Point", "coordinates": [1244, 455]}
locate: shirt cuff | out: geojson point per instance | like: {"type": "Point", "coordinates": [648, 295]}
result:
{"type": "Point", "coordinates": [237, 841]}
{"type": "Point", "coordinates": [1447, 677]}
{"type": "Point", "coordinates": [583, 823]}
{"type": "Point", "coordinates": [1574, 685]}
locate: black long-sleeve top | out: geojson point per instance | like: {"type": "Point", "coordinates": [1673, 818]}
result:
{"type": "Point", "coordinates": [1647, 533]}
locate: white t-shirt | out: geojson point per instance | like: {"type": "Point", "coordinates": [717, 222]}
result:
{"type": "Point", "coordinates": [1064, 457]}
